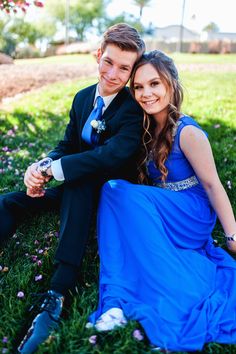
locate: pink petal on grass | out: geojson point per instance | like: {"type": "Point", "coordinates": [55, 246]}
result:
{"type": "Point", "coordinates": [20, 294]}
{"type": "Point", "coordinates": [38, 277]}
{"type": "Point", "coordinates": [34, 258]}
{"type": "Point", "coordinates": [138, 335]}
{"type": "Point", "coordinates": [93, 339]}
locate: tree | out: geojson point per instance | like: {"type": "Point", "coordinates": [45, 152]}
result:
{"type": "Point", "coordinates": [22, 31]}
{"type": "Point", "coordinates": [7, 42]}
{"type": "Point", "coordinates": [14, 5]}
{"type": "Point", "coordinates": [17, 30]}
{"type": "Point", "coordinates": [211, 27]}
{"type": "Point", "coordinates": [83, 15]}
{"type": "Point", "coordinates": [141, 4]}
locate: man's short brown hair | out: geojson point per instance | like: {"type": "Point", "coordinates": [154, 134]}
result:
{"type": "Point", "coordinates": [125, 37]}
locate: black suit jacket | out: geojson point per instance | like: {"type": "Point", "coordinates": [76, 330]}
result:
{"type": "Point", "coordinates": [114, 157]}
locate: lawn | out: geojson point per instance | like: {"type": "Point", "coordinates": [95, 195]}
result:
{"type": "Point", "coordinates": [29, 129]}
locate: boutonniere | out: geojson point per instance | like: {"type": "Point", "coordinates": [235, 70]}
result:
{"type": "Point", "coordinates": [98, 125]}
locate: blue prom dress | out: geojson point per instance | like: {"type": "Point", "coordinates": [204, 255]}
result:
{"type": "Point", "coordinates": [158, 261]}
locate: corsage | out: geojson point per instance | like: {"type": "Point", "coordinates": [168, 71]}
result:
{"type": "Point", "coordinates": [98, 125]}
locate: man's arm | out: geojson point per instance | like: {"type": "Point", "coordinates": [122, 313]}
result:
{"type": "Point", "coordinates": [33, 179]}
{"type": "Point", "coordinates": [116, 151]}
{"type": "Point", "coordinates": [70, 143]}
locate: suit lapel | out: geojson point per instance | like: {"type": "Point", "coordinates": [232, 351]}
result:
{"type": "Point", "coordinates": [88, 104]}
{"type": "Point", "coordinates": [109, 112]}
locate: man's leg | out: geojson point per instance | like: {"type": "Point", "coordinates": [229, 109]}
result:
{"type": "Point", "coordinates": [77, 206]}
{"type": "Point", "coordinates": [15, 206]}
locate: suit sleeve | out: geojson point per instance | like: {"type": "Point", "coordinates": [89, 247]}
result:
{"type": "Point", "coordinates": [69, 144]}
{"type": "Point", "coordinates": [116, 151]}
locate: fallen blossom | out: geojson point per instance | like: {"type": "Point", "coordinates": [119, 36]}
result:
{"type": "Point", "coordinates": [20, 294]}
{"type": "Point", "coordinates": [39, 263]}
{"type": "Point", "coordinates": [38, 277]}
{"type": "Point", "coordinates": [34, 258]}
{"type": "Point", "coordinates": [11, 132]}
{"type": "Point", "coordinates": [4, 340]}
{"type": "Point", "coordinates": [138, 335]}
{"type": "Point", "coordinates": [229, 185]}
{"type": "Point", "coordinates": [217, 126]}
{"type": "Point", "coordinates": [93, 339]}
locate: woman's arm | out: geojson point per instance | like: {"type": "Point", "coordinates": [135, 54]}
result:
{"type": "Point", "coordinates": [197, 150]}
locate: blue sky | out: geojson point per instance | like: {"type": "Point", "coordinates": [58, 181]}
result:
{"type": "Point", "coordinates": [198, 13]}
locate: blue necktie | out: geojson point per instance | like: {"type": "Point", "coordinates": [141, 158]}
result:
{"type": "Point", "coordinates": [88, 133]}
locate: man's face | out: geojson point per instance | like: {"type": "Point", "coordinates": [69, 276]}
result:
{"type": "Point", "coordinates": [115, 66]}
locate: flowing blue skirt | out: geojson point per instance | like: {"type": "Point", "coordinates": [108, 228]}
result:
{"type": "Point", "coordinates": [159, 264]}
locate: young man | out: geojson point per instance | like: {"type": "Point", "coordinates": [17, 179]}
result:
{"type": "Point", "coordinates": [101, 139]}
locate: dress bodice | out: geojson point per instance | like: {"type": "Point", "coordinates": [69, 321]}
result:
{"type": "Point", "coordinates": [178, 166]}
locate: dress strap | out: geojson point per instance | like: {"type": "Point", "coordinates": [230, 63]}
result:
{"type": "Point", "coordinates": [183, 122]}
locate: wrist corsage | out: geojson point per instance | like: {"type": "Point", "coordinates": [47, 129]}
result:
{"type": "Point", "coordinates": [98, 125]}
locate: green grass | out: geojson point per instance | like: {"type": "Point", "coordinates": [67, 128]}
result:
{"type": "Point", "coordinates": [31, 127]}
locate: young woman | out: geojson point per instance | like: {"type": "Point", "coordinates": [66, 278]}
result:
{"type": "Point", "coordinates": [159, 264]}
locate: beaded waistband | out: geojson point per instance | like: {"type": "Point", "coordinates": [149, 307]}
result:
{"type": "Point", "coordinates": [180, 185]}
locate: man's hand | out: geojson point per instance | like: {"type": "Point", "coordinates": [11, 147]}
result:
{"type": "Point", "coordinates": [35, 192]}
{"type": "Point", "coordinates": [33, 178]}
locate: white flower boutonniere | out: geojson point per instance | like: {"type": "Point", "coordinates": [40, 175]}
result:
{"type": "Point", "coordinates": [98, 125]}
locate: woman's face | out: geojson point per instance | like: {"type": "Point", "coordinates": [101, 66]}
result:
{"type": "Point", "coordinates": [150, 91]}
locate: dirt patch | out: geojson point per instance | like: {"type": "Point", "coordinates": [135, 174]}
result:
{"type": "Point", "coordinates": [16, 79]}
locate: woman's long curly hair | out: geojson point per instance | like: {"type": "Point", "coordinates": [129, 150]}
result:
{"type": "Point", "coordinates": [159, 144]}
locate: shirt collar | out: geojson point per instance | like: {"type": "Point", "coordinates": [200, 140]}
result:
{"type": "Point", "coordinates": [107, 100]}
